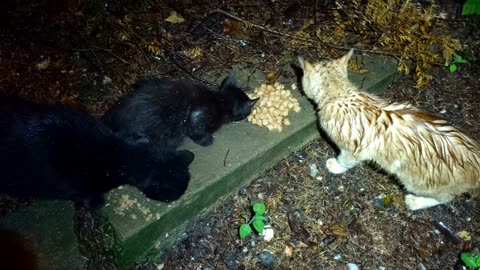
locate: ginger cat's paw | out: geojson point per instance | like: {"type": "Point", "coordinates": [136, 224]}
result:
{"type": "Point", "coordinates": [416, 203]}
{"type": "Point", "coordinates": [334, 167]}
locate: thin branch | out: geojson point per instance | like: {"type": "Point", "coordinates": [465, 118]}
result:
{"type": "Point", "coordinates": [111, 53]}
{"type": "Point", "coordinates": [190, 73]}
{"type": "Point", "coordinates": [297, 37]}
{"type": "Point", "coordinates": [143, 53]}
{"type": "Point", "coordinates": [255, 25]}
{"type": "Point", "coordinates": [93, 49]}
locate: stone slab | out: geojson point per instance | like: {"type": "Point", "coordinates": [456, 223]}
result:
{"type": "Point", "coordinates": [47, 227]}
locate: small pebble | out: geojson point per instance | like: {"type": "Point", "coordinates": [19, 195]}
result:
{"type": "Point", "coordinates": [267, 259]}
{"type": "Point", "coordinates": [106, 80]}
{"type": "Point", "coordinates": [268, 233]}
{"type": "Point", "coordinates": [229, 260]}
{"type": "Point", "coordinates": [352, 266]}
{"type": "Point", "coordinates": [243, 191]}
{"type": "Point", "coordinates": [229, 210]}
{"type": "Point", "coordinates": [183, 236]}
{"type": "Point", "coordinates": [313, 170]}
{"type": "Point", "coordinates": [328, 240]}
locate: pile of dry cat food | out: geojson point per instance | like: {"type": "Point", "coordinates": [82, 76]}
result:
{"type": "Point", "coordinates": [273, 107]}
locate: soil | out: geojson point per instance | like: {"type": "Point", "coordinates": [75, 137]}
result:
{"type": "Point", "coordinates": [89, 55]}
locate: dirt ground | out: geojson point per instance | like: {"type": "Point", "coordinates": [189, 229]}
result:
{"type": "Point", "coordinates": [76, 54]}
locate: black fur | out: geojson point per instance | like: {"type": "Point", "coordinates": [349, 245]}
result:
{"type": "Point", "coordinates": [58, 152]}
{"type": "Point", "coordinates": [163, 112]}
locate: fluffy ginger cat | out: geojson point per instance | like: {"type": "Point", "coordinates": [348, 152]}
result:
{"type": "Point", "coordinates": [432, 159]}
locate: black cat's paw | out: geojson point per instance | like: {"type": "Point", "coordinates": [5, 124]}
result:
{"type": "Point", "coordinates": [170, 179]}
{"type": "Point", "coordinates": [204, 141]}
{"type": "Point", "coordinates": [167, 192]}
{"type": "Point", "coordinates": [185, 156]}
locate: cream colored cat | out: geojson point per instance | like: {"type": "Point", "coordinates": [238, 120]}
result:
{"type": "Point", "coordinates": [431, 159]}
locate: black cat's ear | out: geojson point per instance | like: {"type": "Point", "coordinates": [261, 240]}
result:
{"type": "Point", "coordinates": [186, 156]}
{"type": "Point", "coordinates": [228, 82]}
{"type": "Point", "coordinates": [252, 102]}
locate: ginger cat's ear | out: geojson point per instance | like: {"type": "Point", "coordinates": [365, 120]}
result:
{"type": "Point", "coordinates": [305, 65]}
{"type": "Point", "coordinates": [344, 59]}
{"type": "Point", "coordinates": [343, 62]}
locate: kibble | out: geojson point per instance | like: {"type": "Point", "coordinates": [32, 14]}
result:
{"type": "Point", "coordinates": [273, 107]}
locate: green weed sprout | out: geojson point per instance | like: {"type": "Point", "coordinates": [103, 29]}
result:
{"type": "Point", "coordinates": [471, 260]}
{"type": "Point", "coordinates": [471, 7]}
{"type": "Point", "coordinates": [456, 59]}
{"type": "Point", "coordinates": [257, 221]}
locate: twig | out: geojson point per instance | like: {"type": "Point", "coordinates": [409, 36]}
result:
{"type": "Point", "coordinates": [112, 54]}
{"type": "Point", "coordinates": [256, 25]}
{"type": "Point", "coordinates": [225, 159]}
{"type": "Point", "coordinates": [297, 37]}
{"type": "Point", "coordinates": [141, 50]}
{"type": "Point", "coordinates": [449, 232]}
{"type": "Point", "coordinates": [190, 73]}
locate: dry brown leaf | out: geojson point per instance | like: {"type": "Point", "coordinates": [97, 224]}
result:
{"type": "Point", "coordinates": [175, 18]}
{"type": "Point", "coordinates": [233, 28]}
{"type": "Point", "coordinates": [338, 229]}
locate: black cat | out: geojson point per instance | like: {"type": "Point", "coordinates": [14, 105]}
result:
{"type": "Point", "coordinates": [162, 112]}
{"type": "Point", "coordinates": [58, 152]}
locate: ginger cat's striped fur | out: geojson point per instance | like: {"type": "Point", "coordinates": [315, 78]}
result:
{"type": "Point", "coordinates": [431, 159]}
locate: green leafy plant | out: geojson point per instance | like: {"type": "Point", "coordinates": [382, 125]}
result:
{"type": "Point", "coordinates": [456, 59]}
{"type": "Point", "coordinates": [257, 221]}
{"type": "Point", "coordinates": [471, 7]}
{"type": "Point", "coordinates": [471, 260]}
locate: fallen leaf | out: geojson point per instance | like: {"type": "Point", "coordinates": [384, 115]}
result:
{"type": "Point", "coordinates": [175, 18]}
{"type": "Point", "coordinates": [43, 64]}
{"type": "Point", "coordinates": [195, 52]}
{"type": "Point", "coordinates": [297, 228]}
{"type": "Point", "coordinates": [288, 251]}
{"type": "Point", "coordinates": [233, 28]}
{"type": "Point", "coordinates": [464, 235]}
{"type": "Point", "coordinates": [338, 229]}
